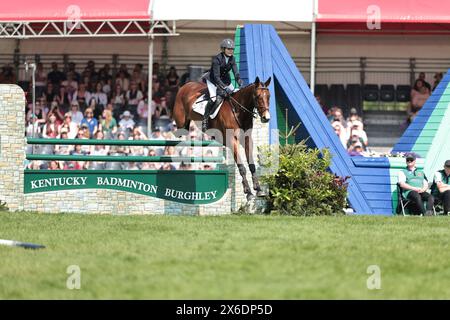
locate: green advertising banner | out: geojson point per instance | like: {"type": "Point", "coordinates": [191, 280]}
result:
{"type": "Point", "coordinates": [194, 187]}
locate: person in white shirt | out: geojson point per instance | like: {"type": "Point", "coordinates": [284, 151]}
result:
{"type": "Point", "coordinates": [126, 122]}
{"type": "Point", "coordinates": [100, 97]}
{"type": "Point", "coordinates": [441, 186]}
{"type": "Point", "coordinates": [75, 113]}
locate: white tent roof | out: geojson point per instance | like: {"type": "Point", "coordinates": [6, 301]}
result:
{"type": "Point", "coordinates": [239, 10]}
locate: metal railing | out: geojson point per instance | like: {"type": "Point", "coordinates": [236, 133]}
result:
{"type": "Point", "coordinates": [329, 70]}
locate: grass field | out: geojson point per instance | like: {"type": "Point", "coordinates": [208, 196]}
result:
{"type": "Point", "coordinates": [230, 257]}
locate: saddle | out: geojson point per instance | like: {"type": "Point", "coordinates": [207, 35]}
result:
{"type": "Point", "coordinates": [206, 94]}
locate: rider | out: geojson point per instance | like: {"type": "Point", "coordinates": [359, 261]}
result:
{"type": "Point", "coordinates": [219, 75]}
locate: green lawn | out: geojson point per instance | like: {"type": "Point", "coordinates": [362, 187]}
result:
{"type": "Point", "coordinates": [230, 257]}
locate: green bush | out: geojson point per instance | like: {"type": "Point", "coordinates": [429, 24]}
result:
{"type": "Point", "coordinates": [302, 184]}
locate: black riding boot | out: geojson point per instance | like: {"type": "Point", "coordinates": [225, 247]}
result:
{"type": "Point", "coordinates": [209, 109]}
{"type": "Point", "coordinates": [206, 115]}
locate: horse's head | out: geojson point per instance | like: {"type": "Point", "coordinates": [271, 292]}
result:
{"type": "Point", "coordinates": [261, 96]}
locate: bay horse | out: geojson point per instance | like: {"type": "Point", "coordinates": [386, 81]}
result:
{"type": "Point", "coordinates": [234, 118]}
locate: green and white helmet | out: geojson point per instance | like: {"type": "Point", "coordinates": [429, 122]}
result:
{"type": "Point", "coordinates": [227, 43]}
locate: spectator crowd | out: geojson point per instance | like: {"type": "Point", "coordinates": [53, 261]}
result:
{"type": "Point", "coordinates": [96, 104]}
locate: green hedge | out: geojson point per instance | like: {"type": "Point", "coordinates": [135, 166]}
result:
{"type": "Point", "coordinates": [302, 184]}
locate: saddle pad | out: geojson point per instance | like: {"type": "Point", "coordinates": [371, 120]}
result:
{"type": "Point", "coordinates": [200, 105]}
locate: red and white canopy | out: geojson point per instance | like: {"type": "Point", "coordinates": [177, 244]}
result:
{"type": "Point", "coordinates": [64, 18]}
{"type": "Point", "coordinates": [399, 16]}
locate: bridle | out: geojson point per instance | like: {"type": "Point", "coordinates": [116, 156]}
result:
{"type": "Point", "coordinates": [255, 99]}
{"type": "Point", "coordinates": [255, 102]}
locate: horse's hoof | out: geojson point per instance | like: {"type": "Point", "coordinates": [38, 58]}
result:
{"type": "Point", "coordinates": [260, 193]}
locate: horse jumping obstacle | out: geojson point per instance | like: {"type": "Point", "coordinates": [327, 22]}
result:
{"type": "Point", "coordinates": [110, 191]}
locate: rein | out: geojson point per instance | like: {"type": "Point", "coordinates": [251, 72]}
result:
{"type": "Point", "coordinates": [234, 102]}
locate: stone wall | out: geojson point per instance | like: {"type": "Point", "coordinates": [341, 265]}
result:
{"type": "Point", "coordinates": [12, 145]}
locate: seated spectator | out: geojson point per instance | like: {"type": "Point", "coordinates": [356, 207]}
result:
{"type": "Point", "coordinates": [419, 95]}
{"type": "Point", "coordinates": [157, 90]}
{"type": "Point", "coordinates": [437, 79]}
{"type": "Point", "coordinates": [82, 96]}
{"type": "Point", "coordinates": [353, 116]}
{"type": "Point", "coordinates": [142, 110]}
{"type": "Point", "coordinates": [101, 100]}
{"type": "Point", "coordinates": [185, 166]}
{"type": "Point", "coordinates": [108, 124]}
{"type": "Point", "coordinates": [33, 128]}
{"type": "Point", "coordinates": [55, 76]}
{"type": "Point", "coordinates": [104, 73]}
{"type": "Point", "coordinates": [133, 97]}
{"type": "Point", "coordinates": [126, 123]}
{"type": "Point", "coordinates": [51, 127]}
{"type": "Point", "coordinates": [35, 165]}
{"type": "Point", "coordinates": [98, 150]}
{"type": "Point", "coordinates": [422, 77]}
{"type": "Point", "coordinates": [62, 99]}
{"type": "Point", "coordinates": [71, 84]}
{"type": "Point", "coordinates": [156, 135]}
{"type": "Point", "coordinates": [55, 165]}
{"type": "Point", "coordinates": [75, 112]}
{"type": "Point", "coordinates": [56, 109]}
{"type": "Point", "coordinates": [73, 71]}
{"type": "Point", "coordinates": [132, 166]}
{"type": "Point", "coordinates": [160, 77]}
{"type": "Point", "coordinates": [167, 166]}
{"type": "Point", "coordinates": [76, 165]}
{"type": "Point", "coordinates": [163, 109]}
{"type": "Point", "coordinates": [40, 113]}
{"type": "Point", "coordinates": [150, 165]}
{"type": "Point", "coordinates": [120, 150]}
{"type": "Point", "coordinates": [172, 78]}
{"type": "Point", "coordinates": [357, 130]}
{"type": "Point", "coordinates": [137, 130]}
{"type": "Point", "coordinates": [118, 101]}
{"type": "Point", "coordinates": [441, 186]}
{"type": "Point", "coordinates": [337, 115]}
{"type": "Point", "coordinates": [61, 148]}
{"type": "Point", "coordinates": [70, 126]}
{"type": "Point", "coordinates": [78, 151]}
{"type": "Point", "coordinates": [50, 93]}
{"type": "Point", "coordinates": [97, 110]}
{"type": "Point", "coordinates": [137, 150]}
{"type": "Point", "coordinates": [341, 132]}
{"type": "Point", "coordinates": [137, 78]}
{"type": "Point", "coordinates": [414, 185]}
{"type": "Point", "coordinates": [122, 80]}
{"type": "Point", "coordinates": [90, 121]}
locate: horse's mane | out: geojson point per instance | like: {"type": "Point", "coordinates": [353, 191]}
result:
{"type": "Point", "coordinates": [243, 90]}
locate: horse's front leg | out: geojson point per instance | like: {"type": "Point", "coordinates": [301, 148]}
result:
{"type": "Point", "coordinates": [241, 167]}
{"type": "Point", "coordinates": [251, 165]}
